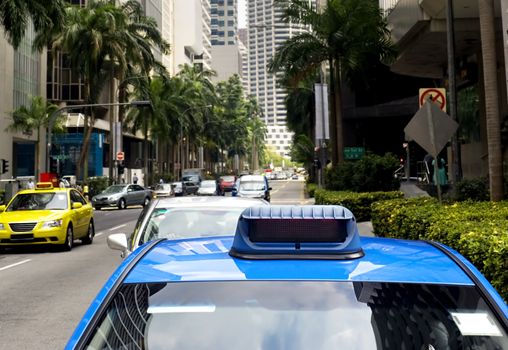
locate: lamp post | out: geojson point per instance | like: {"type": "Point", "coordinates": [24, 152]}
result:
{"type": "Point", "coordinates": [54, 115]}
{"type": "Point", "coordinates": [181, 132]}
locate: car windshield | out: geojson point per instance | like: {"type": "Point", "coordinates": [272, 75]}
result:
{"type": "Point", "coordinates": [254, 315]}
{"type": "Point", "coordinates": [174, 223]}
{"type": "Point", "coordinates": [252, 186]}
{"type": "Point", "coordinates": [39, 201]}
{"type": "Point", "coordinates": [208, 184]}
{"type": "Point", "coordinates": [191, 178]}
{"type": "Point", "coordinates": [228, 178]}
{"type": "Point", "coordinates": [163, 187]}
{"type": "Point", "coordinates": [114, 189]}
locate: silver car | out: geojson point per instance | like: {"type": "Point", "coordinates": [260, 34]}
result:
{"type": "Point", "coordinates": [122, 196]}
{"type": "Point", "coordinates": [208, 188]}
{"type": "Point", "coordinates": [164, 190]}
{"type": "Point", "coordinates": [184, 217]}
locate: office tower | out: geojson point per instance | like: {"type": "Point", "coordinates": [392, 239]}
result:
{"type": "Point", "coordinates": [266, 32]}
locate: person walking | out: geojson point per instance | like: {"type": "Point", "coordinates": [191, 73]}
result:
{"type": "Point", "coordinates": [135, 179]}
{"type": "Point", "coordinates": [30, 185]}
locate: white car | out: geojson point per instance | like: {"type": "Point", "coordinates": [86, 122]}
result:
{"type": "Point", "coordinates": [208, 188]}
{"type": "Point", "coordinates": [184, 217]}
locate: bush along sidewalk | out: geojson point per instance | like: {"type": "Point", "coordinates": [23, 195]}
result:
{"type": "Point", "coordinates": [358, 202]}
{"type": "Point", "coordinates": [478, 230]}
{"type": "Point", "coordinates": [311, 188]}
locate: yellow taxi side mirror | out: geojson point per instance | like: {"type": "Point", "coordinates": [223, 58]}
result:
{"type": "Point", "coordinates": [77, 205]}
{"type": "Point", "coordinates": [2, 208]}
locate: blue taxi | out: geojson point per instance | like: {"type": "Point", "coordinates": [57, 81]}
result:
{"type": "Point", "coordinates": [294, 277]}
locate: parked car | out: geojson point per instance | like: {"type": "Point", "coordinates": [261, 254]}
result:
{"type": "Point", "coordinates": [177, 188]}
{"type": "Point", "coordinates": [227, 183]}
{"type": "Point", "coordinates": [122, 196]}
{"type": "Point", "coordinates": [208, 188]}
{"type": "Point", "coordinates": [184, 217]}
{"type": "Point", "coordinates": [278, 284]}
{"type": "Point", "coordinates": [294, 177]}
{"type": "Point", "coordinates": [252, 186]}
{"type": "Point", "coordinates": [46, 215]}
{"type": "Point", "coordinates": [164, 190]}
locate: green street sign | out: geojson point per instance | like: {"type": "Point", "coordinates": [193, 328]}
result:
{"type": "Point", "coordinates": [352, 153]}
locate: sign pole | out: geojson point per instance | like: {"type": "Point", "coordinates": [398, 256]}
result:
{"type": "Point", "coordinates": [430, 121]}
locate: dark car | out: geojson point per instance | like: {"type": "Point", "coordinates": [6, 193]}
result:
{"type": "Point", "coordinates": [190, 184]}
{"type": "Point", "coordinates": [227, 183]}
{"type": "Point", "coordinates": [295, 278]}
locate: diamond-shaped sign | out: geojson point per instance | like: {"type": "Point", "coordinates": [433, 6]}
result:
{"type": "Point", "coordinates": [431, 128]}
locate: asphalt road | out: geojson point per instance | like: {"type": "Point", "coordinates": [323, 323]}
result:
{"type": "Point", "coordinates": [45, 293]}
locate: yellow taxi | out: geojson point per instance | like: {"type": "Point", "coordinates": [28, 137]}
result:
{"type": "Point", "coordinates": [46, 215]}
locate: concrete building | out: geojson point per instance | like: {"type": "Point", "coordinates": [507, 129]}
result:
{"type": "Point", "coordinates": [22, 75]}
{"type": "Point", "coordinates": [419, 30]}
{"type": "Point", "coordinates": [265, 33]}
{"type": "Point", "coordinates": [191, 35]}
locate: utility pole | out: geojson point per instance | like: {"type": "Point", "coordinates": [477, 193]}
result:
{"type": "Point", "coordinates": [504, 18]}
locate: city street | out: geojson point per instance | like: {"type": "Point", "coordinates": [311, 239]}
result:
{"type": "Point", "coordinates": [45, 293]}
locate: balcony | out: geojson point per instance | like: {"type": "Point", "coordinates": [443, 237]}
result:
{"type": "Point", "coordinates": [418, 28]}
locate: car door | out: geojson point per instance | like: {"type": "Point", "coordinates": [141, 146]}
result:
{"type": "Point", "coordinates": [130, 196]}
{"type": "Point", "coordinates": [141, 194]}
{"type": "Point", "coordinates": [80, 215]}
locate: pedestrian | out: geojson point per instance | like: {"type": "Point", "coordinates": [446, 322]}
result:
{"type": "Point", "coordinates": [30, 185]}
{"type": "Point", "coordinates": [161, 181]}
{"type": "Point", "coordinates": [440, 176]}
{"type": "Point", "coordinates": [135, 179]}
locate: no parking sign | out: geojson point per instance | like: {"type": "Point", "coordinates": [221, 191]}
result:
{"type": "Point", "coordinates": [436, 95]}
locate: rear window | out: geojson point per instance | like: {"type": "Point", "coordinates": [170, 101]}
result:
{"type": "Point", "coordinates": [297, 315]}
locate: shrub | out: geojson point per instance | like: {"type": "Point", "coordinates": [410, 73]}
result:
{"type": "Point", "coordinates": [97, 184]}
{"type": "Point", "coordinates": [475, 229]}
{"type": "Point", "coordinates": [311, 188]}
{"type": "Point", "coordinates": [370, 174]}
{"type": "Point", "coordinates": [358, 203]}
{"type": "Point", "coordinates": [471, 189]}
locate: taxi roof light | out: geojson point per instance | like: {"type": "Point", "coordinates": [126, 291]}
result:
{"type": "Point", "coordinates": [297, 232]}
{"type": "Point", "coordinates": [44, 186]}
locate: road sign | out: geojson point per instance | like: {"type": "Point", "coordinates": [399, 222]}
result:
{"type": "Point", "coordinates": [436, 95]}
{"type": "Point", "coordinates": [353, 152]}
{"type": "Point", "coordinates": [120, 155]}
{"type": "Point", "coordinates": [431, 128]}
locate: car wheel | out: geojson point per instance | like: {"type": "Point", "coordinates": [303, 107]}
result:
{"type": "Point", "coordinates": [88, 239]}
{"type": "Point", "coordinates": [122, 204]}
{"type": "Point", "coordinates": [97, 208]}
{"type": "Point", "coordinates": [146, 201]}
{"type": "Point", "coordinates": [69, 240]}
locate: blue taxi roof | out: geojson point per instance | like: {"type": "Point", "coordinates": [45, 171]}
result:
{"type": "Point", "coordinates": [385, 260]}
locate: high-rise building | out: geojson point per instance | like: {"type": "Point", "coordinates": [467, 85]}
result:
{"type": "Point", "coordinates": [23, 74]}
{"type": "Point", "coordinates": [266, 32]}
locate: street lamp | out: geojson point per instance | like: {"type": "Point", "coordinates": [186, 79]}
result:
{"type": "Point", "coordinates": [54, 115]}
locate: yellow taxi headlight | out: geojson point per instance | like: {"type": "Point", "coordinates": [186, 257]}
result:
{"type": "Point", "coordinates": [52, 223]}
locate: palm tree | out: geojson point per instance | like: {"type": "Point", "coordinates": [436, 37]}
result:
{"type": "Point", "coordinates": [35, 117]}
{"type": "Point", "coordinates": [344, 34]}
{"type": "Point", "coordinates": [46, 15]}
{"type": "Point", "coordinates": [487, 29]}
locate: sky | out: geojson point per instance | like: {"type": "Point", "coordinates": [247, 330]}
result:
{"type": "Point", "coordinates": [242, 15]}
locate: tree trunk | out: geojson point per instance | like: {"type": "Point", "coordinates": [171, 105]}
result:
{"type": "Point", "coordinates": [332, 114]}
{"type": "Point", "coordinates": [487, 31]}
{"type": "Point", "coordinates": [37, 152]}
{"type": "Point", "coordinates": [111, 113]}
{"type": "Point", "coordinates": [145, 151]}
{"type": "Point", "coordinates": [83, 157]}
{"type": "Point", "coordinates": [339, 120]}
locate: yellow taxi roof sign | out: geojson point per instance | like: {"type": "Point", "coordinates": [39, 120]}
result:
{"type": "Point", "coordinates": [44, 186]}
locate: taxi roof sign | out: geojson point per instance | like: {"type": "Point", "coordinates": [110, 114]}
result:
{"type": "Point", "coordinates": [44, 186]}
{"type": "Point", "coordinates": [297, 232]}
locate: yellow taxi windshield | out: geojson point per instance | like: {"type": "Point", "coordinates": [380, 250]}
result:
{"type": "Point", "coordinates": [39, 201]}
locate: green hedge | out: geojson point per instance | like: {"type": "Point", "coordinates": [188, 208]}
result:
{"type": "Point", "coordinates": [358, 202]}
{"type": "Point", "coordinates": [311, 188]}
{"type": "Point", "coordinates": [478, 230]}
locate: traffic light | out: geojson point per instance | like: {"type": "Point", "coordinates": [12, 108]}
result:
{"type": "Point", "coordinates": [4, 166]}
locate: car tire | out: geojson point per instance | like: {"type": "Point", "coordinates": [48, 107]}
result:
{"type": "Point", "coordinates": [146, 202]}
{"type": "Point", "coordinates": [88, 239]}
{"type": "Point", "coordinates": [69, 240]}
{"type": "Point", "coordinates": [122, 204]}
{"type": "Point", "coordinates": [97, 208]}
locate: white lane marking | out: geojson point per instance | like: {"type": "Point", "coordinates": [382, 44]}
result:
{"type": "Point", "coordinates": [117, 227]}
{"type": "Point", "coordinates": [13, 265]}
{"type": "Point", "coordinates": [99, 234]}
